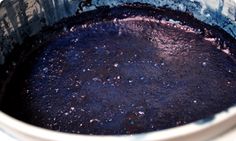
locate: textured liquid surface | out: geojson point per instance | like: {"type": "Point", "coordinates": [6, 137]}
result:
{"type": "Point", "coordinates": [127, 76]}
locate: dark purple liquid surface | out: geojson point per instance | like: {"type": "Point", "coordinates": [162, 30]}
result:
{"type": "Point", "coordinates": [129, 75]}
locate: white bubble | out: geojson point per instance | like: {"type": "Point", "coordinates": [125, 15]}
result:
{"type": "Point", "coordinates": [45, 69]}
{"type": "Point", "coordinates": [204, 64]}
{"type": "Point", "coordinates": [57, 90]}
{"type": "Point", "coordinates": [141, 112]}
{"type": "Point", "coordinates": [94, 120]}
{"type": "Point", "coordinates": [116, 65]}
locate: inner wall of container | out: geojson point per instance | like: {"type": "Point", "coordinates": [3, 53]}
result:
{"type": "Point", "coordinates": [23, 18]}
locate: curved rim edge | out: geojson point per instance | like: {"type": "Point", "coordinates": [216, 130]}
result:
{"type": "Point", "coordinates": [229, 115]}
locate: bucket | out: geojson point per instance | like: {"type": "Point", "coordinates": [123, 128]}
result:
{"type": "Point", "coordinates": [22, 19]}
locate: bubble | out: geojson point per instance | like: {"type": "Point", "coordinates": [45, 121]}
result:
{"type": "Point", "coordinates": [130, 81]}
{"type": "Point", "coordinates": [118, 77]}
{"type": "Point", "coordinates": [204, 64]}
{"type": "Point", "coordinates": [45, 69]}
{"type": "Point", "coordinates": [141, 112]}
{"type": "Point", "coordinates": [116, 65]}
{"type": "Point", "coordinates": [94, 120]}
{"type": "Point", "coordinates": [57, 90]}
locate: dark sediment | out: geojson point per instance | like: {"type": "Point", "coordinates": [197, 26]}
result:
{"type": "Point", "coordinates": [127, 70]}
